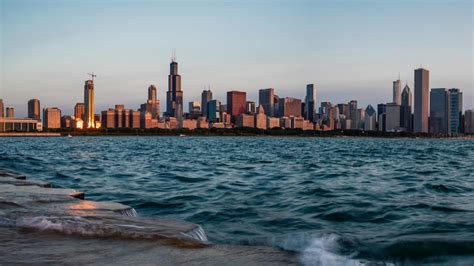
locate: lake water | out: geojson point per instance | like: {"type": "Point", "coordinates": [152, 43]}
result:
{"type": "Point", "coordinates": [344, 200]}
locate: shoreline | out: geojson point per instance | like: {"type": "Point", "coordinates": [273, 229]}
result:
{"type": "Point", "coordinates": [235, 132]}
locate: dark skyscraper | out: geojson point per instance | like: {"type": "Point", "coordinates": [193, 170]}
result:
{"type": "Point", "coordinates": [405, 109]}
{"type": "Point", "coordinates": [206, 96]}
{"type": "Point", "coordinates": [454, 112]}
{"type": "Point", "coordinates": [310, 102]}
{"type": "Point", "coordinates": [422, 84]}
{"type": "Point", "coordinates": [34, 109]}
{"type": "Point", "coordinates": [174, 95]}
{"type": "Point", "coordinates": [266, 98]}
{"type": "Point", "coordinates": [438, 122]}
{"type": "Point", "coordinates": [1, 108]}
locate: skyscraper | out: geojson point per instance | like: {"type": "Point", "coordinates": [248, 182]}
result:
{"type": "Point", "coordinates": [405, 109]}
{"type": "Point", "coordinates": [392, 117]}
{"type": "Point", "coordinates": [10, 111]}
{"type": "Point", "coordinates": [310, 102]}
{"type": "Point", "coordinates": [454, 112]}
{"type": "Point", "coordinates": [88, 117]}
{"type": "Point", "coordinates": [397, 96]}
{"type": "Point", "coordinates": [34, 109]}
{"type": "Point", "coordinates": [370, 119]}
{"type": "Point", "coordinates": [236, 101]}
{"type": "Point", "coordinates": [79, 110]}
{"type": "Point", "coordinates": [422, 84]}
{"type": "Point", "coordinates": [174, 95]}
{"type": "Point", "coordinates": [438, 121]}
{"type": "Point", "coordinates": [266, 98]}
{"type": "Point", "coordinates": [290, 107]}
{"type": "Point", "coordinates": [152, 93]}
{"type": "Point", "coordinates": [469, 121]}
{"type": "Point", "coordinates": [1, 108]}
{"type": "Point", "coordinates": [51, 118]}
{"type": "Point", "coordinates": [213, 111]}
{"type": "Point", "coordinates": [152, 104]}
{"type": "Point", "coordinates": [206, 96]}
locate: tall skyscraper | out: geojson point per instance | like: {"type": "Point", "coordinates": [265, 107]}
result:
{"type": "Point", "coordinates": [405, 109]}
{"type": "Point", "coordinates": [34, 109]}
{"type": "Point", "coordinates": [266, 98]}
{"type": "Point", "coordinates": [422, 84]}
{"type": "Point", "coordinates": [469, 121]}
{"type": "Point", "coordinates": [370, 121]}
{"type": "Point", "coordinates": [174, 95]}
{"type": "Point", "coordinates": [152, 93]}
{"type": "Point", "coordinates": [1, 108]}
{"type": "Point", "coordinates": [310, 102]}
{"type": "Point", "coordinates": [397, 92]}
{"type": "Point", "coordinates": [206, 96]}
{"type": "Point", "coordinates": [236, 101]}
{"type": "Point", "coordinates": [438, 121]}
{"type": "Point", "coordinates": [79, 110]}
{"type": "Point", "coordinates": [213, 112]}
{"type": "Point", "coordinates": [10, 111]}
{"type": "Point", "coordinates": [353, 110]}
{"type": "Point", "coordinates": [88, 117]}
{"type": "Point", "coordinates": [392, 117]}
{"type": "Point", "coordinates": [454, 112]}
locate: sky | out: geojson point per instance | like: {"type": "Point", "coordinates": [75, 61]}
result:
{"type": "Point", "coordinates": [348, 49]}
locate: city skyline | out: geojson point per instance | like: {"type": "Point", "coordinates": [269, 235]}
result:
{"type": "Point", "coordinates": [351, 59]}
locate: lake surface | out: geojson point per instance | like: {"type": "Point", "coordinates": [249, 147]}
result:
{"type": "Point", "coordinates": [344, 200]}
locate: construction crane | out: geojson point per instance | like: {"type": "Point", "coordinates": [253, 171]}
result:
{"type": "Point", "coordinates": [92, 75]}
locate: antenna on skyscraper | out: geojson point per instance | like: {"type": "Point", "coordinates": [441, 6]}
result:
{"type": "Point", "coordinates": [92, 75]}
{"type": "Point", "coordinates": [173, 56]}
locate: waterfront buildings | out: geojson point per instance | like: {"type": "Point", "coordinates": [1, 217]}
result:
{"type": "Point", "coordinates": [79, 111]}
{"type": "Point", "coordinates": [454, 112]}
{"type": "Point", "coordinates": [34, 109]}
{"type": "Point", "coordinates": [469, 121]}
{"type": "Point", "coordinates": [1, 108]}
{"type": "Point", "coordinates": [370, 119]}
{"type": "Point", "coordinates": [245, 120]}
{"type": "Point", "coordinates": [119, 117]}
{"type": "Point", "coordinates": [289, 106]}
{"type": "Point", "coordinates": [236, 101]}
{"type": "Point", "coordinates": [206, 96]}
{"type": "Point", "coordinates": [310, 102]}
{"type": "Point", "coordinates": [88, 117]}
{"type": "Point", "coordinates": [19, 125]}
{"type": "Point", "coordinates": [174, 95]}
{"type": "Point", "coordinates": [406, 109]}
{"type": "Point", "coordinates": [213, 111]}
{"type": "Point", "coordinates": [397, 96]}
{"type": "Point", "coordinates": [266, 98]}
{"type": "Point", "coordinates": [392, 117]}
{"type": "Point", "coordinates": [10, 111]}
{"type": "Point", "coordinates": [420, 119]}
{"type": "Point", "coordinates": [152, 104]}
{"type": "Point", "coordinates": [438, 121]}
{"type": "Point", "coordinates": [51, 118]}
{"type": "Point", "coordinates": [260, 118]}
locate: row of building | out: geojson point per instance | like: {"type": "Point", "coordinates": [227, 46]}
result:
{"type": "Point", "coordinates": [403, 113]}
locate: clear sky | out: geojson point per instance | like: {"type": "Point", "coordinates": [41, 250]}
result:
{"type": "Point", "coordinates": [349, 49]}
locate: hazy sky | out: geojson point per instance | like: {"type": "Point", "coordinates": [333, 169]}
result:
{"type": "Point", "coordinates": [349, 49]}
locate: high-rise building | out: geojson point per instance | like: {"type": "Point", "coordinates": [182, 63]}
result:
{"type": "Point", "coordinates": [438, 121]}
{"type": "Point", "coordinates": [310, 102]}
{"type": "Point", "coordinates": [89, 119]}
{"type": "Point", "coordinates": [250, 107]}
{"type": "Point", "coordinates": [51, 118]}
{"type": "Point", "coordinates": [194, 107]}
{"type": "Point", "coordinates": [152, 104]}
{"type": "Point", "coordinates": [344, 109]}
{"type": "Point", "coordinates": [422, 84]}
{"type": "Point", "coordinates": [10, 111]}
{"type": "Point", "coordinates": [213, 111]}
{"type": "Point", "coordinates": [454, 112]}
{"type": "Point", "coordinates": [236, 101]}
{"type": "Point", "coordinates": [266, 98]}
{"type": "Point", "coordinates": [174, 95]}
{"type": "Point", "coordinates": [353, 110]}
{"type": "Point", "coordinates": [79, 110]}
{"type": "Point", "coordinates": [469, 121]}
{"type": "Point", "coordinates": [405, 109]}
{"type": "Point", "coordinates": [1, 108]}
{"type": "Point", "coordinates": [370, 119]}
{"type": "Point", "coordinates": [206, 96]}
{"type": "Point", "coordinates": [381, 108]}
{"type": "Point", "coordinates": [392, 117]}
{"type": "Point", "coordinates": [289, 107]}
{"type": "Point", "coordinates": [34, 109]}
{"type": "Point", "coordinates": [152, 93]}
{"type": "Point", "coordinates": [260, 118]}
{"type": "Point", "coordinates": [397, 92]}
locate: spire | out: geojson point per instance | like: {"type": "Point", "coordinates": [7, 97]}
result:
{"type": "Point", "coordinates": [173, 56]}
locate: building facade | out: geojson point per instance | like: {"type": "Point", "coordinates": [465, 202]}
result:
{"type": "Point", "coordinates": [397, 92]}
{"type": "Point", "coordinates": [406, 110]}
{"type": "Point", "coordinates": [206, 96]}
{"type": "Point", "coordinates": [34, 109]}
{"type": "Point", "coordinates": [88, 117]}
{"type": "Point", "coordinates": [213, 111]}
{"type": "Point", "coordinates": [236, 101]}
{"type": "Point", "coordinates": [310, 102]}
{"type": "Point", "coordinates": [266, 98]}
{"type": "Point", "coordinates": [370, 119]}
{"type": "Point", "coordinates": [422, 84]}
{"type": "Point", "coordinates": [438, 120]}
{"type": "Point", "coordinates": [289, 107]}
{"type": "Point", "coordinates": [469, 121]}
{"type": "Point", "coordinates": [1, 108]}
{"type": "Point", "coordinates": [10, 112]}
{"type": "Point", "coordinates": [454, 112]}
{"type": "Point", "coordinates": [174, 95]}
{"type": "Point", "coordinates": [51, 118]}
